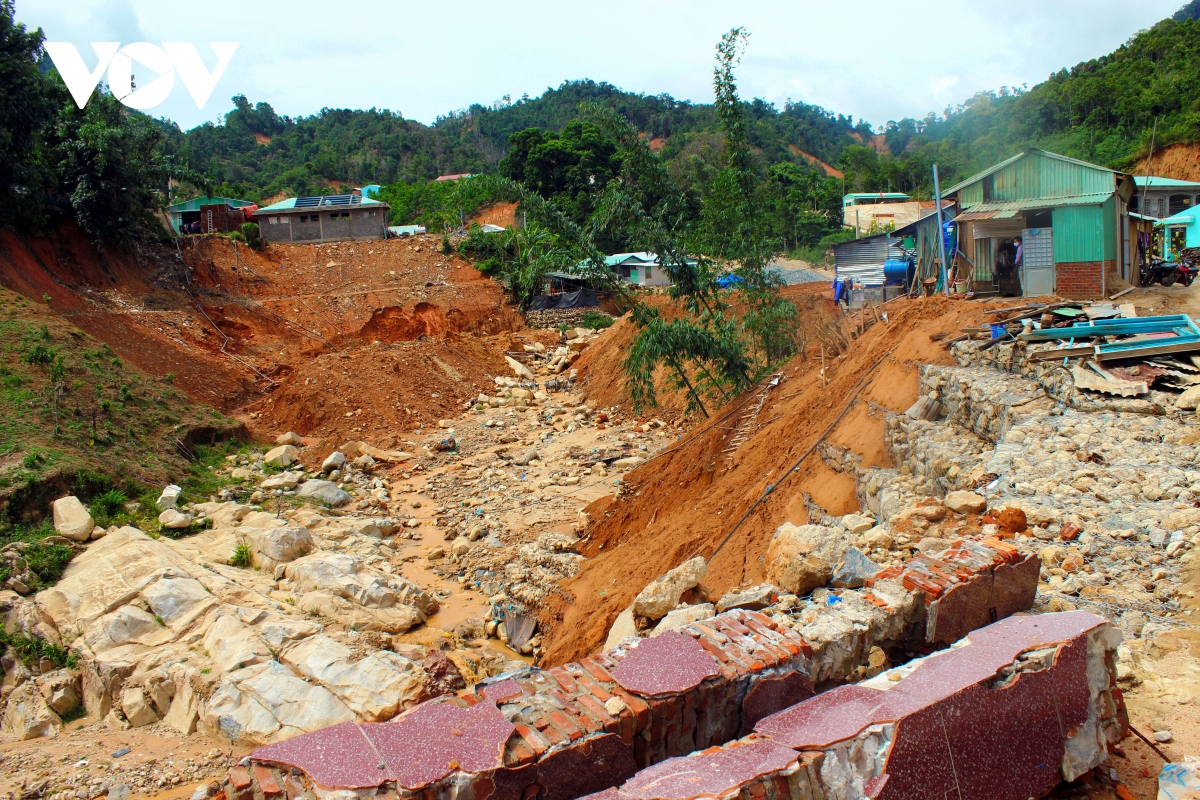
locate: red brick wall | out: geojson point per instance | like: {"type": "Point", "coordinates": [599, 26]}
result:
{"type": "Point", "coordinates": [1081, 279]}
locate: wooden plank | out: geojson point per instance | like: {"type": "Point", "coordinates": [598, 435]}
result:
{"type": "Point", "coordinates": [1121, 293]}
{"type": "Point", "coordinates": [1062, 352]}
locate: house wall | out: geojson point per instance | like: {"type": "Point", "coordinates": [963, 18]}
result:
{"type": "Point", "coordinates": [1081, 279]}
{"type": "Point", "coordinates": [1079, 234]}
{"type": "Point", "coordinates": [336, 225]}
{"type": "Point", "coordinates": [279, 231]}
{"type": "Point", "coordinates": [1038, 177]}
{"type": "Point", "coordinates": [896, 214]}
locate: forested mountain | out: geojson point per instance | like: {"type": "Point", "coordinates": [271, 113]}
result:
{"type": "Point", "coordinates": [259, 153]}
{"type": "Point", "coordinates": [1101, 110]}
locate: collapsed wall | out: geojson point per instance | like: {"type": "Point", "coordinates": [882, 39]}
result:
{"type": "Point", "coordinates": [587, 726]}
{"type": "Point", "coordinates": [1007, 713]}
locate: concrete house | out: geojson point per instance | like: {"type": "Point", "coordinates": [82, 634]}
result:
{"type": "Point", "coordinates": [1040, 223]}
{"type": "Point", "coordinates": [1163, 197]}
{"type": "Point", "coordinates": [640, 268]}
{"type": "Point", "coordinates": [869, 213]}
{"type": "Point", "coordinates": [330, 218]}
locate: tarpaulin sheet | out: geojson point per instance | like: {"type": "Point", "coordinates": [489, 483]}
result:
{"type": "Point", "coordinates": [583, 298]}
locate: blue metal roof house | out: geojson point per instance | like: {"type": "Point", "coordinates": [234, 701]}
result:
{"type": "Point", "coordinates": [1070, 218]}
{"type": "Point", "coordinates": [329, 218]}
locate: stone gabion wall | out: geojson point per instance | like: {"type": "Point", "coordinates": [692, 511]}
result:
{"type": "Point", "coordinates": [552, 318]}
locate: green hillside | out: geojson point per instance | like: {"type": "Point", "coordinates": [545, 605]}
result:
{"type": "Point", "coordinates": [1101, 110]}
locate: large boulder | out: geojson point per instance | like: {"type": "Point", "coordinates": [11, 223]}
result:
{"type": "Point", "coordinates": [375, 688]}
{"type": "Point", "coordinates": [71, 519]}
{"type": "Point", "coordinates": [27, 715]}
{"type": "Point", "coordinates": [61, 690]}
{"type": "Point", "coordinates": [326, 492]}
{"type": "Point", "coordinates": [855, 570]}
{"type": "Point", "coordinates": [169, 497]}
{"type": "Point", "coordinates": [662, 594]}
{"type": "Point", "coordinates": [175, 519]}
{"type": "Point", "coordinates": [284, 480]}
{"type": "Point", "coordinates": [343, 575]}
{"type": "Point", "coordinates": [137, 708]}
{"type": "Point", "coordinates": [518, 368]}
{"type": "Point", "coordinates": [282, 456]}
{"type": "Point", "coordinates": [623, 627]}
{"type": "Point", "coordinates": [289, 438]}
{"type": "Point", "coordinates": [1189, 399]}
{"type": "Point", "coordinates": [800, 558]}
{"type": "Point", "coordinates": [267, 702]}
{"type": "Point", "coordinates": [274, 546]}
{"type": "Point", "coordinates": [961, 502]}
{"type": "Point", "coordinates": [333, 461]}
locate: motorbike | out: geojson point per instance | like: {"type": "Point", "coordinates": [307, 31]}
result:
{"type": "Point", "coordinates": [1183, 270]}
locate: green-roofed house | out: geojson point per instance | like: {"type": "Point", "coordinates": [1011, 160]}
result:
{"type": "Point", "coordinates": [205, 211]}
{"type": "Point", "coordinates": [1163, 197]}
{"type": "Point", "coordinates": [1070, 219]}
{"type": "Point", "coordinates": [329, 218]}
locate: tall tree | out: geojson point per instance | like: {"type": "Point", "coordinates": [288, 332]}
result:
{"type": "Point", "coordinates": [26, 106]}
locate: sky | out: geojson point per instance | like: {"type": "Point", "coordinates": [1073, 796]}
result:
{"type": "Point", "coordinates": [871, 59]}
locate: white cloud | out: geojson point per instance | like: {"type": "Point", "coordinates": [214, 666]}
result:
{"type": "Point", "coordinates": [870, 59]}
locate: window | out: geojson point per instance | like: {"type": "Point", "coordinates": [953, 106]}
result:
{"type": "Point", "coordinates": [989, 188]}
{"type": "Point", "coordinates": [274, 220]}
{"type": "Point", "coordinates": [304, 218]}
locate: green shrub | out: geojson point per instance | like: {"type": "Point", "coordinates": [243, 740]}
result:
{"type": "Point", "coordinates": [30, 650]}
{"type": "Point", "coordinates": [252, 235]}
{"type": "Point", "coordinates": [107, 505]}
{"type": "Point", "coordinates": [596, 320]}
{"type": "Point", "coordinates": [242, 557]}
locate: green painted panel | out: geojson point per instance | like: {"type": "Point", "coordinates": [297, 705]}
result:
{"type": "Point", "coordinates": [971, 196]}
{"type": "Point", "coordinates": [1108, 213]}
{"type": "Point", "coordinates": [983, 262]}
{"type": "Point", "coordinates": [1078, 233]}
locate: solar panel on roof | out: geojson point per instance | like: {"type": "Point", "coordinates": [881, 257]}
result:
{"type": "Point", "coordinates": [306, 202]}
{"type": "Point", "coordinates": [336, 200]}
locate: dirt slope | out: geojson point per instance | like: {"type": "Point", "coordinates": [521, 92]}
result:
{"type": "Point", "coordinates": [1179, 161]}
{"type": "Point", "coordinates": [684, 501]}
{"type": "Point", "coordinates": [294, 336]}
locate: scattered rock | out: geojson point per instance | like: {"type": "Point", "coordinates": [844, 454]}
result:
{"type": "Point", "coordinates": [333, 461]}
{"type": "Point", "coordinates": [325, 492]}
{"type": "Point", "coordinates": [1189, 400]}
{"type": "Point", "coordinates": [855, 570]}
{"type": "Point", "coordinates": [169, 497]}
{"type": "Point", "coordinates": [519, 369]}
{"type": "Point", "coordinates": [27, 715]}
{"type": "Point", "coordinates": [175, 519]}
{"type": "Point", "coordinates": [752, 599]}
{"type": "Point", "coordinates": [965, 502]}
{"type": "Point", "coordinates": [289, 438]}
{"type": "Point", "coordinates": [685, 615]}
{"type": "Point", "coordinates": [71, 519]}
{"type": "Point", "coordinates": [282, 456]}
{"type": "Point", "coordinates": [856, 523]}
{"type": "Point", "coordinates": [1162, 737]}
{"type": "Point", "coordinates": [662, 594]}
{"type": "Point", "coordinates": [622, 628]}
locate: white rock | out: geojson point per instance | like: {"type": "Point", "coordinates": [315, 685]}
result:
{"type": "Point", "coordinates": [856, 523]}
{"type": "Point", "coordinates": [60, 689]}
{"type": "Point", "coordinates": [185, 709]}
{"type": "Point", "coordinates": [71, 519]}
{"type": "Point", "coordinates": [686, 615]}
{"type": "Point", "coordinates": [174, 519]}
{"type": "Point", "coordinates": [325, 492]}
{"type": "Point", "coordinates": [137, 708]}
{"type": "Point", "coordinates": [284, 480]}
{"type": "Point", "coordinates": [1189, 399]}
{"type": "Point", "coordinates": [333, 461]}
{"type": "Point", "coordinates": [274, 546]}
{"type": "Point", "coordinates": [289, 438]}
{"type": "Point", "coordinates": [282, 456]}
{"type": "Point", "coordinates": [663, 593]}
{"type": "Point", "coordinates": [520, 369]}
{"type": "Point", "coordinates": [622, 628]}
{"type": "Point", "coordinates": [961, 502]}
{"type": "Point", "coordinates": [628, 462]}
{"type": "Point", "coordinates": [175, 600]}
{"type": "Point", "coordinates": [232, 645]}
{"type": "Point", "coordinates": [375, 688]}
{"type": "Point", "coordinates": [169, 497]}
{"type": "Point", "coordinates": [27, 716]}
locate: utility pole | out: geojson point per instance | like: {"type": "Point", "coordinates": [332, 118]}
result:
{"type": "Point", "coordinates": [937, 202]}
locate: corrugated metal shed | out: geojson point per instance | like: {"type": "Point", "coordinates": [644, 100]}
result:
{"type": "Point", "coordinates": [1036, 173]}
{"type": "Point", "coordinates": [862, 259]}
{"type": "Point", "coordinates": [1013, 208]}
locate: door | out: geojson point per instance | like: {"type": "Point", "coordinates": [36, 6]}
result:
{"type": "Point", "coordinates": [1037, 262]}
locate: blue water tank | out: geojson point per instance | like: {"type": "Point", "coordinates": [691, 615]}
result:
{"type": "Point", "coordinates": [897, 272]}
